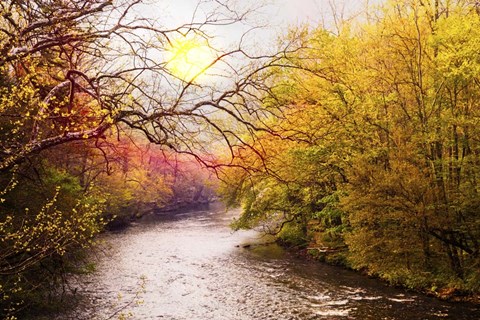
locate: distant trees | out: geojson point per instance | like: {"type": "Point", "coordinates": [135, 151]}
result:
{"type": "Point", "coordinates": [378, 149]}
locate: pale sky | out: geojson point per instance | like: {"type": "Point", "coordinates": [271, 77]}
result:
{"type": "Point", "coordinates": [287, 11]}
{"type": "Point", "coordinates": [277, 15]}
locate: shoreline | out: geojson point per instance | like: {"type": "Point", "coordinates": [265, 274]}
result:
{"type": "Point", "coordinates": [448, 294]}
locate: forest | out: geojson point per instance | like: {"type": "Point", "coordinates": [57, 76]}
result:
{"type": "Point", "coordinates": [358, 143]}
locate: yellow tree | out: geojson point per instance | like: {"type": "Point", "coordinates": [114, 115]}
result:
{"type": "Point", "coordinates": [410, 198]}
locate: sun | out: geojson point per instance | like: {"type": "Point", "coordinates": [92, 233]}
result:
{"type": "Point", "coordinates": [189, 58]}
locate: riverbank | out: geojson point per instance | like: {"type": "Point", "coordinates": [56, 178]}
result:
{"type": "Point", "coordinates": [338, 257]}
{"type": "Point", "coordinates": [121, 222]}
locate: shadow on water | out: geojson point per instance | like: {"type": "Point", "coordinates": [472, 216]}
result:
{"type": "Point", "coordinates": [194, 267]}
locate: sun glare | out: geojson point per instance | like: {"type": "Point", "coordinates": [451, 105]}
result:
{"type": "Point", "coordinates": [189, 58]}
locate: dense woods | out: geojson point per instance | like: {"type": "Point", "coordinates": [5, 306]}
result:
{"type": "Point", "coordinates": [376, 160]}
{"type": "Point", "coordinates": [361, 145]}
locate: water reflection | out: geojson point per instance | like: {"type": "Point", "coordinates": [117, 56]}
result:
{"type": "Point", "coordinates": [194, 267]}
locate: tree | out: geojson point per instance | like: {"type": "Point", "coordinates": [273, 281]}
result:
{"type": "Point", "coordinates": [411, 183]}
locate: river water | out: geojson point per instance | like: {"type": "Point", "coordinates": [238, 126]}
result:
{"type": "Point", "coordinates": [192, 266]}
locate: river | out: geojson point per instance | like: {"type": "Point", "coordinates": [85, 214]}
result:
{"type": "Point", "coordinates": [192, 266]}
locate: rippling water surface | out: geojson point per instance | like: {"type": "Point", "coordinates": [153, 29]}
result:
{"type": "Point", "coordinates": [191, 266]}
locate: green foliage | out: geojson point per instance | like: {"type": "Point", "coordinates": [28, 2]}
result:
{"type": "Point", "coordinates": [42, 231]}
{"type": "Point", "coordinates": [303, 189]}
{"type": "Point", "coordinates": [293, 234]}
